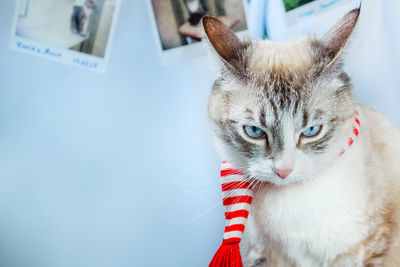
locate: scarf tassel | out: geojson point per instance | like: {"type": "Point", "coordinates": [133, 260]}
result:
{"type": "Point", "coordinates": [228, 255]}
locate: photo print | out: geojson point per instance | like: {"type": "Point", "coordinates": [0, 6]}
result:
{"type": "Point", "coordinates": [299, 9]}
{"type": "Point", "coordinates": [292, 4]}
{"type": "Point", "coordinates": [176, 24]}
{"type": "Point", "coordinates": [75, 32]}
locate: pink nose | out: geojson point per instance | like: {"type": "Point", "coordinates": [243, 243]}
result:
{"type": "Point", "coordinates": [283, 173]}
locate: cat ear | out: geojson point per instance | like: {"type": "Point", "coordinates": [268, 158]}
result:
{"type": "Point", "coordinates": [223, 40]}
{"type": "Point", "coordinates": [335, 39]}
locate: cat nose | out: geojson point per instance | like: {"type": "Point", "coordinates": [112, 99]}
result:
{"type": "Point", "coordinates": [283, 173]}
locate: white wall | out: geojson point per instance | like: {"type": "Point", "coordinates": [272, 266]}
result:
{"type": "Point", "coordinates": [107, 170]}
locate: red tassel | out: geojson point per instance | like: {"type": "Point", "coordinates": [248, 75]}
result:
{"type": "Point", "coordinates": [228, 255]}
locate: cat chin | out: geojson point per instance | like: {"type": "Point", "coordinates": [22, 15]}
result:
{"type": "Point", "coordinates": [295, 178]}
{"type": "Point", "coordinates": [277, 181]}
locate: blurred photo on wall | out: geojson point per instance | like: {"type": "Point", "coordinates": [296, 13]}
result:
{"type": "Point", "coordinates": [55, 28]}
{"type": "Point", "coordinates": [297, 10]}
{"type": "Point", "coordinates": [292, 4]}
{"type": "Point", "coordinates": [177, 22]}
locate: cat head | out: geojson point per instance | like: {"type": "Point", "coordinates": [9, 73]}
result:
{"type": "Point", "coordinates": [281, 110]}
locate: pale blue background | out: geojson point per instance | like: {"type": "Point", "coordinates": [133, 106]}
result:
{"type": "Point", "coordinates": [120, 169]}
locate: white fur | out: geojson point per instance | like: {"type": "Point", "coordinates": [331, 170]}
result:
{"type": "Point", "coordinates": [316, 218]}
{"type": "Point", "coordinates": [315, 222]}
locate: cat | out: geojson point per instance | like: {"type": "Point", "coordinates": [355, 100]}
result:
{"type": "Point", "coordinates": [326, 169]}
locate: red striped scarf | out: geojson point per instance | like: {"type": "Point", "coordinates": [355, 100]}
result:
{"type": "Point", "coordinates": [237, 197]}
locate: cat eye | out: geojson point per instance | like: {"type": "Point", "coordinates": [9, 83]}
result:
{"type": "Point", "coordinates": [312, 131]}
{"type": "Point", "coordinates": [253, 131]}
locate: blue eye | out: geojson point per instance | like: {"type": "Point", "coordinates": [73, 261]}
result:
{"type": "Point", "coordinates": [253, 131]}
{"type": "Point", "coordinates": [312, 131]}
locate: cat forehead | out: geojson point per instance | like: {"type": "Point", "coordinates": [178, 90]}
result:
{"type": "Point", "coordinates": [291, 56]}
{"type": "Point", "coordinates": [245, 97]}
{"type": "Point", "coordinates": [280, 77]}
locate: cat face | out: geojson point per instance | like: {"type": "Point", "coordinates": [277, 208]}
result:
{"type": "Point", "coordinates": [279, 110]}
